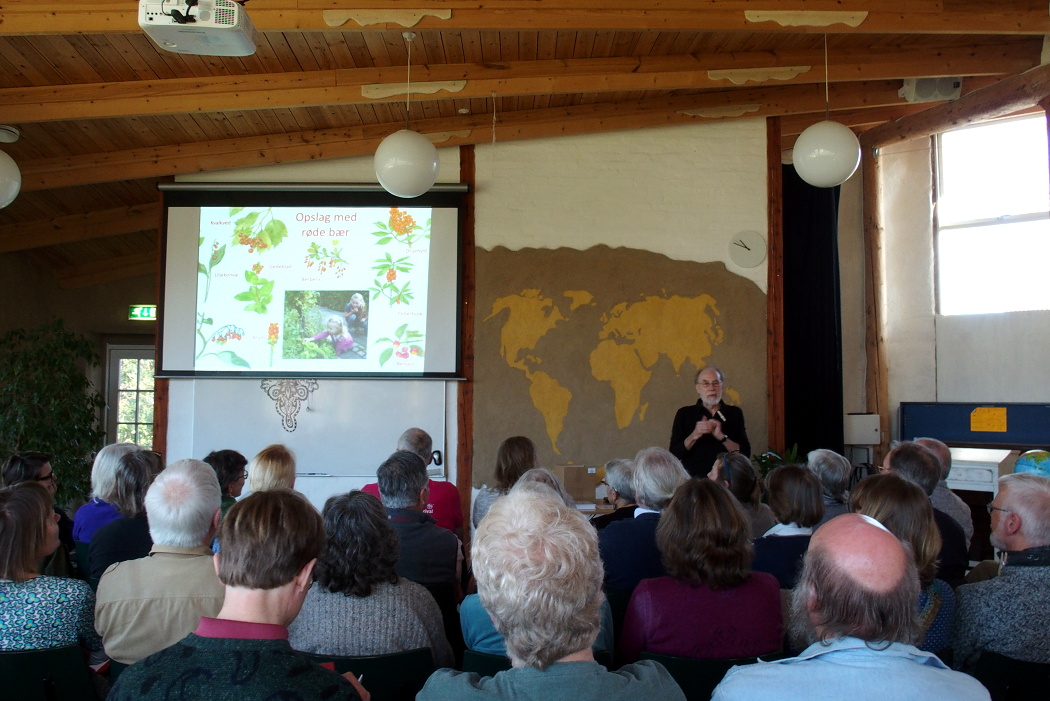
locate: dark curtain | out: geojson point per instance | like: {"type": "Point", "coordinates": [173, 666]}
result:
{"type": "Point", "coordinates": [812, 321]}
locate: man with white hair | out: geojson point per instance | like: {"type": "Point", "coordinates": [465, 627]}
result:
{"type": "Point", "coordinates": [1007, 615]}
{"type": "Point", "coordinates": [145, 605]}
{"type": "Point", "coordinates": [540, 579]}
{"type": "Point", "coordinates": [855, 605]}
{"type": "Point", "coordinates": [944, 499]}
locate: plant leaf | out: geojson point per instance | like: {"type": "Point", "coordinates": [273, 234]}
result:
{"type": "Point", "coordinates": [385, 356]}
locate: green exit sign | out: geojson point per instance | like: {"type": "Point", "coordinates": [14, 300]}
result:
{"type": "Point", "coordinates": [142, 312]}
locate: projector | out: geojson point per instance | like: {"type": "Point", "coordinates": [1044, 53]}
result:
{"type": "Point", "coordinates": [200, 27]}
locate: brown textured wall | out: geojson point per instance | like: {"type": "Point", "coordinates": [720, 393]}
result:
{"type": "Point", "coordinates": [590, 353]}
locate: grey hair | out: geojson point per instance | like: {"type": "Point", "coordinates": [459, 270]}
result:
{"type": "Point", "coordinates": [1029, 496]}
{"type": "Point", "coordinates": [833, 471]}
{"type": "Point", "coordinates": [401, 477]}
{"type": "Point", "coordinates": [619, 473]}
{"type": "Point", "coordinates": [917, 464]}
{"type": "Point", "coordinates": [721, 375]}
{"type": "Point", "coordinates": [181, 504]}
{"type": "Point", "coordinates": [104, 470]}
{"type": "Point", "coordinates": [657, 473]}
{"type": "Point", "coordinates": [941, 450]}
{"type": "Point", "coordinates": [418, 441]}
{"type": "Point", "coordinates": [539, 576]}
{"type": "Point", "coordinates": [541, 475]}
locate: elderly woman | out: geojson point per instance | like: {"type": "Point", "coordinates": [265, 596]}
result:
{"type": "Point", "coordinates": [796, 502]}
{"type": "Point", "coordinates": [738, 475]}
{"type": "Point", "coordinates": [711, 605]}
{"type": "Point", "coordinates": [230, 468]}
{"type": "Point", "coordinates": [540, 577]}
{"type": "Point", "coordinates": [126, 538]}
{"type": "Point", "coordinates": [37, 611]}
{"type": "Point", "coordinates": [515, 457]}
{"type": "Point", "coordinates": [273, 467]}
{"type": "Point", "coordinates": [358, 605]}
{"type": "Point", "coordinates": [833, 471]}
{"type": "Point", "coordinates": [99, 509]}
{"type": "Point", "coordinates": [619, 492]}
{"type": "Point", "coordinates": [905, 510]}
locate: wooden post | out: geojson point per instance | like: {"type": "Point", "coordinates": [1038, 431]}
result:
{"type": "Point", "coordinates": [775, 288]}
{"type": "Point", "coordinates": [465, 413]}
{"type": "Point", "coordinates": [877, 379]}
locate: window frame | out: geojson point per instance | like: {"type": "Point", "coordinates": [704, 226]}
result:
{"type": "Point", "coordinates": [116, 352]}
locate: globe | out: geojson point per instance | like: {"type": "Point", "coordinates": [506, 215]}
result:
{"type": "Point", "coordinates": [1034, 461]}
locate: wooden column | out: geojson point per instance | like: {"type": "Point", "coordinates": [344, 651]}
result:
{"type": "Point", "coordinates": [465, 388]}
{"type": "Point", "coordinates": [160, 385]}
{"type": "Point", "coordinates": [877, 378]}
{"type": "Point", "coordinates": [775, 287]}
{"type": "Point", "coordinates": [1044, 104]}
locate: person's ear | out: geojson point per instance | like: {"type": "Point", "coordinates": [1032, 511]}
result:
{"type": "Point", "coordinates": [216, 519]}
{"type": "Point", "coordinates": [1010, 522]}
{"type": "Point", "coordinates": [305, 578]}
{"type": "Point", "coordinates": [215, 563]}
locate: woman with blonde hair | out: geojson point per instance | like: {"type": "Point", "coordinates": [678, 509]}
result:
{"type": "Point", "coordinates": [273, 467]}
{"type": "Point", "coordinates": [905, 510]}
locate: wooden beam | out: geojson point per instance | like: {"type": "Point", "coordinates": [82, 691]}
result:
{"type": "Point", "coordinates": [133, 164]}
{"type": "Point", "coordinates": [775, 289]}
{"type": "Point", "coordinates": [27, 17]}
{"type": "Point", "coordinates": [108, 270]}
{"type": "Point", "coordinates": [465, 389]}
{"type": "Point", "coordinates": [512, 78]}
{"type": "Point", "coordinates": [78, 227]}
{"type": "Point", "coordinates": [1005, 97]}
{"type": "Point", "coordinates": [876, 383]}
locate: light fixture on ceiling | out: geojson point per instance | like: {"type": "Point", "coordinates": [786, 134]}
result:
{"type": "Point", "coordinates": [10, 175]}
{"type": "Point", "coordinates": [827, 153]}
{"type": "Point", "coordinates": [406, 162]}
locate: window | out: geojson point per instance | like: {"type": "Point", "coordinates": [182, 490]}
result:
{"type": "Point", "coordinates": [993, 218]}
{"type": "Point", "coordinates": [130, 394]}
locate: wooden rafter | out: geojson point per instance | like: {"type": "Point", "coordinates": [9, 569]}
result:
{"type": "Point", "coordinates": [109, 270]}
{"type": "Point", "coordinates": [78, 227]}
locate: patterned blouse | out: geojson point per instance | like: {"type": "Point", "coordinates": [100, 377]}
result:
{"type": "Point", "coordinates": [47, 612]}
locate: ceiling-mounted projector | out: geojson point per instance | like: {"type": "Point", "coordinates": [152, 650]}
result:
{"type": "Point", "coordinates": [201, 27]}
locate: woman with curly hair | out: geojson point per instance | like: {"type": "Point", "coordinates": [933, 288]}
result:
{"type": "Point", "coordinates": [358, 605]}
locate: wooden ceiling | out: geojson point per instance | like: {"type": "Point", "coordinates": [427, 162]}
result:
{"type": "Point", "coordinates": [105, 114]}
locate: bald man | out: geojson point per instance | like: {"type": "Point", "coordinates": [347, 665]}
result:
{"type": "Point", "coordinates": [855, 604]}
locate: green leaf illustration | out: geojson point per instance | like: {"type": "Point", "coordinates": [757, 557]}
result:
{"type": "Point", "coordinates": [385, 356]}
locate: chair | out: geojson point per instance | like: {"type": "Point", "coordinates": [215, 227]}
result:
{"type": "Point", "coordinates": [51, 674]}
{"type": "Point", "coordinates": [483, 663]}
{"type": "Point", "coordinates": [1008, 679]}
{"type": "Point", "coordinates": [397, 676]}
{"type": "Point", "coordinates": [698, 678]}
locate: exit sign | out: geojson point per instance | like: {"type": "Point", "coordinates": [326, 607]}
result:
{"type": "Point", "coordinates": [142, 312]}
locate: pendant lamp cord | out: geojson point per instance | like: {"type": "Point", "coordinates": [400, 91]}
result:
{"type": "Point", "coordinates": [827, 98]}
{"type": "Point", "coordinates": [409, 36]}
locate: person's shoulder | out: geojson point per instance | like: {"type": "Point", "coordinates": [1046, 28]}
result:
{"type": "Point", "coordinates": [764, 580]}
{"type": "Point", "coordinates": [372, 488]}
{"type": "Point", "coordinates": [443, 488]}
{"type": "Point", "coordinates": [650, 678]}
{"type": "Point", "coordinates": [452, 685]}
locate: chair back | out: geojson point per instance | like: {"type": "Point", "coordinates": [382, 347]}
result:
{"type": "Point", "coordinates": [51, 674]}
{"type": "Point", "coordinates": [698, 678]}
{"type": "Point", "coordinates": [1008, 679]}
{"type": "Point", "coordinates": [397, 676]}
{"type": "Point", "coordinates": [483, 663]}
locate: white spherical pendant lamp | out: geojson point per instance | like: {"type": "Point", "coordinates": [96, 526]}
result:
{"type": "Point", "coordinates": [10, 180]}
{"type": "Point", "coordinates": [826, 154]}
{"type": "Point", "coordinates": [406, 163]}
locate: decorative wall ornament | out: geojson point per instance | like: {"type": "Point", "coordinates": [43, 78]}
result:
{"type": "Point", "coordinates": [288, 397]}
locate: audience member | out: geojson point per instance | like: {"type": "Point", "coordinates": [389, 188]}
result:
{"type": "Point", "coordinates": [903, 508]}
{"type": "Point", "coordinates": [796, 502]}
{"type": "Point", "coordinates": [710, 426]}
{"type": "Point", "coordinates": [944, 499]}
{"type": "Point", "coordinates": [273, 467]}
{"type": "Point", "coordinates": [270, 541]}
{"type": "Point", "coordinates": [35, 466]}
{"type": "Point", "coordinates": [231, 468]}
{"type": "Point", "coordinates": [833, 471]}
{"type": "Point", "coordinates": [618, 492]}
{"type": "Point", "coordinates": [736, 472]}
{"type": "Point", "coordinates": [1008, 614]}
{"type": "Point", "coordinates": [515, 457]}
{"type": "Point", "coordinates": [126, 538]}
{"type": "Point", "coordinates": [358, 605]}
{"type": "Point", "coordinates": [145, 605]}
{"type": "Point", "coordinates": [479, 631]}
{"type": "Point", "coordinates": [443, 503]}
{"type": "Point", "coordinates": [38, 611]}
{"type": "Point", "coordinates": [855, 604]}
{"type": "Point", "coordinates": [711, 605]}
{"type": "Point", "coordinates": [539, 576]}
{"type": "Point", "coordinates": [99, 509]}
{"type": "Point", "coordinates": [918, 465]}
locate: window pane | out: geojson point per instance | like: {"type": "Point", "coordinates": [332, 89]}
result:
{"type": "Point", "coordinates": [127, 407]}
{"type": "Point", "coordinates": [128, 373]}
{"type": "Point", "coordinates": [146, 375]}
{"type": "Point", "coordinates": [145, 407]}
{"type": "Point", "coordinates": [999, 268]}
{"type": "Point", "coordinates": [145, 435]}
{"type": "Point", "coordinates": [125, 433]}
{"type": "Point", "coordinates": [993, 170]}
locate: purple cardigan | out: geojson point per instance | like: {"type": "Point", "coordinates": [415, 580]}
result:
{"type": "Point", "coordinates": [671, 617]}
{"type": "Point", "coordinates": [342, 345]}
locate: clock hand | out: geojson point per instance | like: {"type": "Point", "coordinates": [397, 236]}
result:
{"type": "Point", "coordinates": [742, 245]}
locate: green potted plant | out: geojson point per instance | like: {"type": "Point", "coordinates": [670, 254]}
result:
{"type": "Point", "coordinates": [48, 403]}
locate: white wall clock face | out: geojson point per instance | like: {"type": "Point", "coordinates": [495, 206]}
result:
{"type": "Point", "coordinates": [747, 249]}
